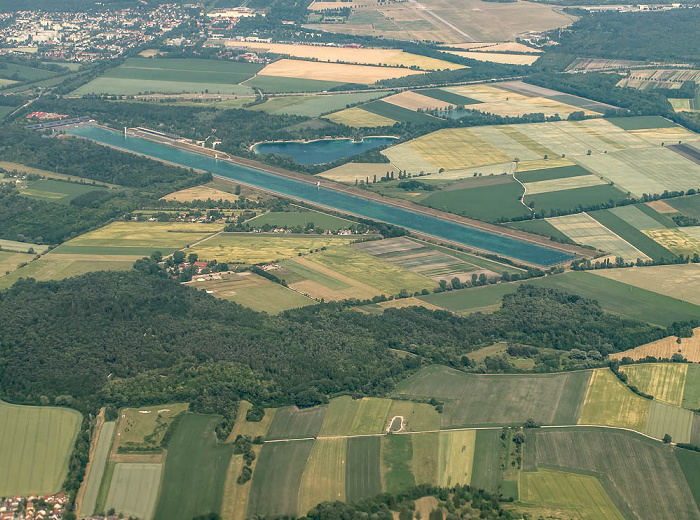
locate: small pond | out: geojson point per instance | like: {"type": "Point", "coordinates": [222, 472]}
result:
{"type": "Point", "coordinates": [322, 151]}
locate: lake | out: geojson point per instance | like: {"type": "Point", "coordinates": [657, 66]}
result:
{"type": "Point", "coordinates": [322, 151]}
{"type": "Point", "coordinates": [330, 198]}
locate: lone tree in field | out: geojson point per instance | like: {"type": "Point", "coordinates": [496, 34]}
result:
{"type": "Point", "coordinates": [667, 439]}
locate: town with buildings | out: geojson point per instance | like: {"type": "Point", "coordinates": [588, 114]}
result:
{"type": "Point", "coordinates": [33, 507]}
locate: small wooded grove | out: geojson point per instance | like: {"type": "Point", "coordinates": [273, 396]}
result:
{"type": "Point", "coordinates": [138, 337]}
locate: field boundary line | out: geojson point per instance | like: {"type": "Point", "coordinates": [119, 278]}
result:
{"type": "Point", "coordinates": [522, 197]}
{"type": "Point", "coordinates": [618, 236]}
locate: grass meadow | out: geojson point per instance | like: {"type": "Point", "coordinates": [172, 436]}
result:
{"type": "Point", "coordinates": [96, 476]}
{"type": "Point", "coordinates": [396, 459]}
{"type": "Point", "coordinates": [134, 489]}
{"type": "Point", "coordinates": [294, 423]}
{"type": "Point", "coordinates": [323, 479]}
{"type": "Point", "coordinates": [348, 416]}
{"type": "Point", "coordinates": [35, 446]}
{"type": "Point", "coordinates": [195, 470]}
{"type": "Point", "coordinates": [363, 475]}
{"type": "Point", "coordinates": [487, 460]}
{"type": "Point", "coordinates": [313, 106]}
{"type": "Point", "coordinates": [53, 190]}
{"type": "Point", "coordinates": [301, 218]}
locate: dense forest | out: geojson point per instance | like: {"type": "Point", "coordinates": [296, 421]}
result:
{"type": "Point", "coordinates": [139, 337]}
{"type": "Point", "coordinates": [666, 36]}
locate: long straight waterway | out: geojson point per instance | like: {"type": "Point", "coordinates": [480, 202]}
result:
{"type": "Point", "coordinates": [344, 202]}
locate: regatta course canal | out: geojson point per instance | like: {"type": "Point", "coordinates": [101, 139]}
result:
{"type": "Point", "coordinates": [330, 198]}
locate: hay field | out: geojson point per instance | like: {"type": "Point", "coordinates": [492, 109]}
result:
{"type": "Point", "coordinates": [301, 218]}
{"type": "Point", "coordinates": [195, 470]}
{"type": "Point", "coordinates": [644, 170]}
{"type": "Point", "coordinates": [677, 281]}
{"type": "Point", "coordinates": [445, 149]}
{"type": "Point", "coordinates": [35, 446]}
{"type": "Point", "coordinates": [680, 241]}
{"type": "Point", "coordinates": [348, 416]}
{"type": "Point", "coordinates": [323, 478]}
{"type": "Point", "coordinates": [351, 172]}
{"type": "Point", "coordinates": [95, 477]}
{"type": "Point", "coordinates": [495, 57]}
{"type": "Point", "coordinates": [359, 118]}
{"type": "Point", "coordinates": [665, 381]}
{"type": "Point", "coordinates": [294, 423]}
{"type": "Point", "coordinates": [383, 276]}
{"type": "Point", "coordinates": [496, 47]}
{"type": "Point", "coordinates": [319, 281]}
{"type": "Point", "coordinates": [246, 249]}
{"type": "Point", "coordinates": [10, 261]}
{"type": "Point", "coordinates": [396, 461]}
{"type": "Point", "coordinates": [277, 478]}
{"type": "Point", "coordinates": [584, 229]}
{"type": "Point", "coordinates": [314, 106]}
{"type": "Point", "coordinates": [456, 458]}
{"type": "Point", "coordinates": [581, 496]}
{"type": "Point", "coordinates": [610, 403]}
{"type": "Point", "coordinates": [671, 134]}
{"type": "Point", "coordinates": [364, 56]}
{"type": "Point", "coordinates": [134, 489]}
{"type": "Point", "coordinates": [322, 71]}
{"type": "Point", "coordinates": [668, 419]}
{"type": "Point", "coordinates": [664, 348]}
{"type": "Point", "coordinates": [494, 400]}
{"type": "Point", "coordinates": [129, 87]}
{"type": "Point", "coordinates": [642, 217]}
{"type": "Point", "coordinates": [21, 247]}
{"type": "Point", "coordinates": [200, 193]}
{"type": "Point", "coordinates": [363, 477]}
{"type": "Point", "coordinates": [638, 474]}
{"type": "Point", "coordinates": [566, 183]}
{"type": "Point", "coordinates": [413, 100]}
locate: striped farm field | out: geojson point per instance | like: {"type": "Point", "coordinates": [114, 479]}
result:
{"type": "Point", "coordinates": [413, 100]}
{"type": "Point", "coordinates": [641, 476]}
{"type": "Point", "coordinates": [456, 458]}
{"type": "Point", "coordinates": [323, 479]}
{"type": "Point", "coordinates": [396, 462]}
{"type": "Point", "coordinates": [567, 183]}
{"type": "Point", "coordinates": [134, 489]}
{"type": "Point", "coordinates": [495, 400]}
{"type": "Point", "coordinates": [313, 106]}
{"type": "Point", "coordinates": [348, 416]}
{"type": "Point", "coordinates": [277, 478]}
{"type": "Point", "coordinates": [359, 118]}
{"type": "Point", "coordinates": [668, 419]}
{"type": "Point", "coordinates": [487, 460]}
{"type": "Point", "coordinates": [610, 403]}
{"type": "Point", "coordinates": [35, 446]}
{"type": "Point", "coordinates": [691, 390]}
{"type": "Point", "coordinates": [340, 72]}
{"type": "Point", "coordinates": [665, 381]}
{"type": "Point", "coordinates": [665, 348]}
{"type": "Point", "coordinates": [100, 459]}
{"type": "Point", "coordinates": [363, 474]}
{"type": "Point", "coordinates": [581, 496]}
{"type": "Point", "coordinates": [294, 423]}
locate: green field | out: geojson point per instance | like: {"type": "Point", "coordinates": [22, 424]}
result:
{"type": "Point", "coordinates": [426, 457]}
{"type": "Point", "coordinates": [21, 247]}
{"type": "Point", "coordinates": [99, 462]}
{"type": "Point", "coordinates": [195, 470]}
{"type": "Point", "coordinates": [294, 423]}
{"type": "Point", "coordinates": [313, 106]}
{"type": "Point", "coordinates": [9, 261]}
{"type": "Point", "coordinates": [500, 201]}
{"type": "Point", "coordinates": [665, 381]}
{"type": "Point", "coordinates": [456, 458]}
{"type": "Point", "coordinates": [548, 174]}
{"type": "Point", "coordinates": [277, 478]}
{"type": "Point", "coordinates": [472, 299]}
{"type": "Point", "coordinates": [689, 205]}
{"type": "Point", "coordinates": [290, 219]}
{"type": "Point", "coordinates": [362, 469]}
{"type": "Point", "coordinates": [278, 84]}
{"type": "Point", "coordinates": [383, 276]}
{"type": "Point", "coordinates": [397, 113]}
{"type": "Point", "coordinates": [580, 495]}
{"type": "Point", "coordinates": [622, 299]}
{"type": "Point", "coordinates": [609, 402]}
{"type": "Point", "coordinates": [494, 400]}
{"type": "Point", "coordinates": [347, 416]}
{"type": "Point", "coordinates": [324, 475]}
{"type": "Point", "coordinates": [447, 97]}
{"type": "Point", "coordinates": [691, 390]}
{"type": "Point", "coordinates": [642, 217]}
{"type": "Point", "coordinates": [35, 446]}
{"type": "Point", "coordinates": [304, 272]}
{"type": "Point", "coordinates": [23, 73]}
{"type": "Point", "coordinates": [396, 458]}
{"type": "Point", "coordinates": [641, 122]}
{"type": "Point", "coordinates": [417, 417]}
{"type": "Point", "coordinates": [639, 474]}
{"type": "Point", "coordinates": [57, 191]}
{"type": "Point", "coordinates": [632, 235]}
{"type": "Point", "coordinates": [146, 426]}
{"type": "Point", "coordinates": [689, 462]}
{"type": "Point", "coordinates": [668, 419]}
{"type": "Point", "coordinates": [486, 466]}
{"type": "Point", "coordinates": [134, 489]}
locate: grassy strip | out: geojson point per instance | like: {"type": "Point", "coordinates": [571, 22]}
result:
{"type": "Point", "coordinates": [397, 113]}
{"type": "Point", "coordinates": [632, 235]}
{"type": "Point", "coordinates": [448, 97]}
{"type": "Point", "coordinates": [661, 219]}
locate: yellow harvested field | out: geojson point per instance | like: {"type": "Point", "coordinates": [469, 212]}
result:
{"type": "Point", "coordinates": [323, 479]}
{"type": "Point", "coordinates": [610, 403]}
{"type": "Point", "coordinates": [675, 240]}
{"type": "Point", "coordinates": [671, 135]}
{"type": "Point", "coordinates": [351, 172]}
{"type": "Point", "coordinates": [414, 101]}
{"type": "Point", "coordinates": [566, 183]}
{"type": "Point", "coordinates": [485, 171]}
{"type": "Point", "coordinates": [245, 427]}
{"type": "Point", "coordinates": [325, 6]}
{"type": "Point", "coordinates": [456, 458]}
{"type": "Point", "coordinates": [359, 118]}
{"type": "Point", "coordinates": [540, 164]}
{"type": "Point", "coordinates": [200, 193]}
{"type": "Point", "coordinates": [9, 261]}
{"type": "Point", "coordinates": [677, 281]}
{"type": "Point", "coordinates": [495, 47]}
{"type": "Point", "coordinates": [363, 56]}
{"type": "Point", "coordinates": [661, 207]}
{"type": "Point", "coordinates": [665, 381]}
{"type": "Point", "coordinates": [664, 348]}
{"type": "Point", "coordinates": [494, 57]}
{"type": "Point", "coordinates": [451, 149]}
{"type": "Point", "coordinates": [340, 72]}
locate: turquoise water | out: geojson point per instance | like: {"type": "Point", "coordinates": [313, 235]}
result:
{"type": "Point", "coordinates": [322, 151]}
{"type": "Point", "coordinates": [434, 226]}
